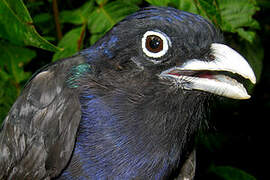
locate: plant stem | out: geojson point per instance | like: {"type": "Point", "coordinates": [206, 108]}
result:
{"type": "Point", "coordinates": [80, 41]}
{"type": "Point", "coordinates": [56, 20]}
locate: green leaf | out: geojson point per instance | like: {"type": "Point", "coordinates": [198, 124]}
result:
{"type": "Point", "coordinates": [247, 35]}
{"type": "Point", "coordinates": [206, 8]}
{"type": "Point", "coordinates": [8, 94]}
{"type": "Point", "coordinates": [46, 25]}
{"type": "Point", "coordinates": [101, 2]}
{"type": "Point", "coordinates": [238, 13]}
{"type": "Point", "coordinates": [132, 1]}
{"type": "Point", "coordinates": [158, 2]}
{"type": "Point", "coordinates": [77, 16]}
{"type": "Point", "coordinates": [105, 17]}
{"type": "Point", "coordinates": [237, 16]}
{"type": "Point", "coordinates": [19, 9]}
{"type": "Point", "coordinates": [43, 18]}
{"type": "Point", "coordinates": [71, 43]}
{"type": "Point", "coordinates": [230, 173]}
{"type": "Point", "coordinates": [13, 58]}
{"type": "Point", "coordinates": [210, 10]}
{"type": "Point", "coordinates": [34, 4]}
{"type": "Point", "coordinates": [96, 37]}
{"type": "Point", "coordinates": [17, 26]}
{"type": "Point", "coordinates": [185, 5]}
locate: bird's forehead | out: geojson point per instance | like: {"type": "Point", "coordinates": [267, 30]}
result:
{"type": "Point", "coordinates": [176, 22]}
{"type": "Point", "coordinates": [167, 14]}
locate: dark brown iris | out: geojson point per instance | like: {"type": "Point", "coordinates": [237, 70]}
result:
{"type": "Point", "coordinates": [154, 44]}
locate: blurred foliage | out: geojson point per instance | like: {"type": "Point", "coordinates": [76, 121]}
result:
{"type": "Point", "coordinates": [27, 43]}
{"type": "Point", "coordinates": [227, 172]}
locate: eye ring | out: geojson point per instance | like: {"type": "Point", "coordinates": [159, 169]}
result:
{"type": "Point", "coordinates": [155, 44]}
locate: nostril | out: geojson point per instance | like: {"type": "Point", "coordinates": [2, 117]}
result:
{"type": "Point", "coordinates": [211, 57]}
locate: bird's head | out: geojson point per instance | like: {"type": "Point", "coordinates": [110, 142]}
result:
{"type": "Point", "coordinates": [153, 73]}
{"type": "Point", "coordinates": [172, 48]}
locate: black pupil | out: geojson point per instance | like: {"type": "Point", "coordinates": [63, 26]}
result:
{"type": "Point", "coordinates": [154, 43]}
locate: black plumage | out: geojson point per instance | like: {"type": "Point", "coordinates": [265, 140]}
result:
{"type": "Point", "coordinates": [109, 112]}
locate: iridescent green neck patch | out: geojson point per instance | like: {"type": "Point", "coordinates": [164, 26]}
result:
{"type": "Point", "coordinates": [76, 73]}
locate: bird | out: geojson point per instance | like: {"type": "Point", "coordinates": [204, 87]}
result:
{"type": "Point", "coordinates": [128, 107]}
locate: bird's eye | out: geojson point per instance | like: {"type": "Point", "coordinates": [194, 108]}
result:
{"type": "Point", "coordinates": [155, 44]}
